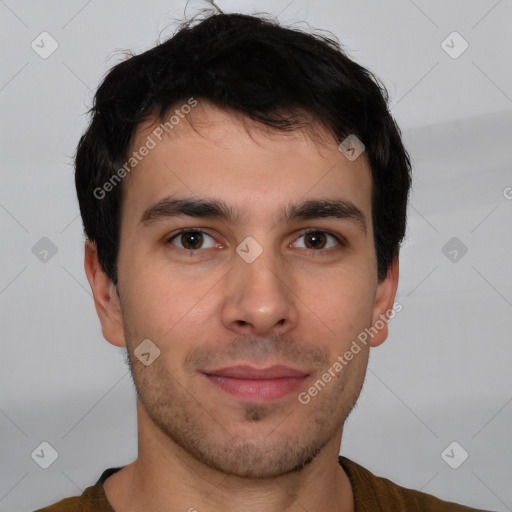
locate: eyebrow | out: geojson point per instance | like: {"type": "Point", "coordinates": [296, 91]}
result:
{"type": "Point", "coordinates": [210, 208]}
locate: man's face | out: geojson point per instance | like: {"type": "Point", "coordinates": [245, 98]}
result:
{"type": "Point", "coordinates": [225, 321]}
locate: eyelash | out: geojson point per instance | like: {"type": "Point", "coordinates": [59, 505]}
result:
{"type": "Point", "coordinates": [314, 252]}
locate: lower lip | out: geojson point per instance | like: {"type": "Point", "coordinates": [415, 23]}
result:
{"type": "Point", "coordinates": [264, 390]}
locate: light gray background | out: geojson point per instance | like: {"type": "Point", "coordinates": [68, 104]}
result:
{"type": "Point", "coordinates": [444, 373]}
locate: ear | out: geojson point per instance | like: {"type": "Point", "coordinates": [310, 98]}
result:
{"type": "Point", "coordinates": [384, 308]}
{"type": "Point", "coordinates": [105, 295]}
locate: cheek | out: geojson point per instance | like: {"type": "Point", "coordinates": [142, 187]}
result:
{"type": "Point", "coordinates": [159, 293]}
{"type": "Point", "coordinates": [163, 305]}
{"type": "Point", "coordinates": [342, 298]}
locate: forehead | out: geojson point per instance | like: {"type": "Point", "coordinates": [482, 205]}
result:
{"type": "Point", "coordinates": [211, 152]}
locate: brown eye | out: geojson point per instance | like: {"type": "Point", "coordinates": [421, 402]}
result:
{"type": "Point", "coordinates": [191, 240]}
{"type": "Point", "coordinates": [316, 240]}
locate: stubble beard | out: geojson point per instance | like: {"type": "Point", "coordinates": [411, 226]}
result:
{"type": "Point", "coordinates": [265, 441]}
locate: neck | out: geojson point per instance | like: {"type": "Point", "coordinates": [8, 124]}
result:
{"type": "Point", "coordinates": [165, 477]}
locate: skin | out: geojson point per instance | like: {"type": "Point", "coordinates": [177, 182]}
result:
{"type": "Point", "coordinates": [198, 446]}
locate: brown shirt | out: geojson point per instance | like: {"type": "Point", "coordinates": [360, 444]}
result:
{"type": "Point", "coordinates": [371, 494]}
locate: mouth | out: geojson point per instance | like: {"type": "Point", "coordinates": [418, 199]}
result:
{"type": "Point", "coordinates": [257, 385]}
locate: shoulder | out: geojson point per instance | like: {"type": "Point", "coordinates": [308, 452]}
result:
{"type": "Point", "coordinates": [380, 494]}
{"type": "Point", "coordinates": [93, 499]}
{"type": "Point", "coordinates": [65, 505]}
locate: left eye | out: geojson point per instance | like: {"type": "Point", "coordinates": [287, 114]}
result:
{"type": "Point", "coordinates": [318, 240]}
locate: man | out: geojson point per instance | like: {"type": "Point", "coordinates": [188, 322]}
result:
{"type": "Point", "coordinates": [243, 190]}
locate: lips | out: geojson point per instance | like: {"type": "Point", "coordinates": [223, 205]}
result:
{"type": "Point", "coordinates": [251, 373]}
{"type": "Point", "coordinates": [257, 384]}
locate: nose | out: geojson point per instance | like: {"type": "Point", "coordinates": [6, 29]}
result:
{"type": "Point", "coordinates": [259, 297]}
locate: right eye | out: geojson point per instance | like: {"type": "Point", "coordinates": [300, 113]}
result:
{"type": "Point", "coordinates": [191, 240]}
